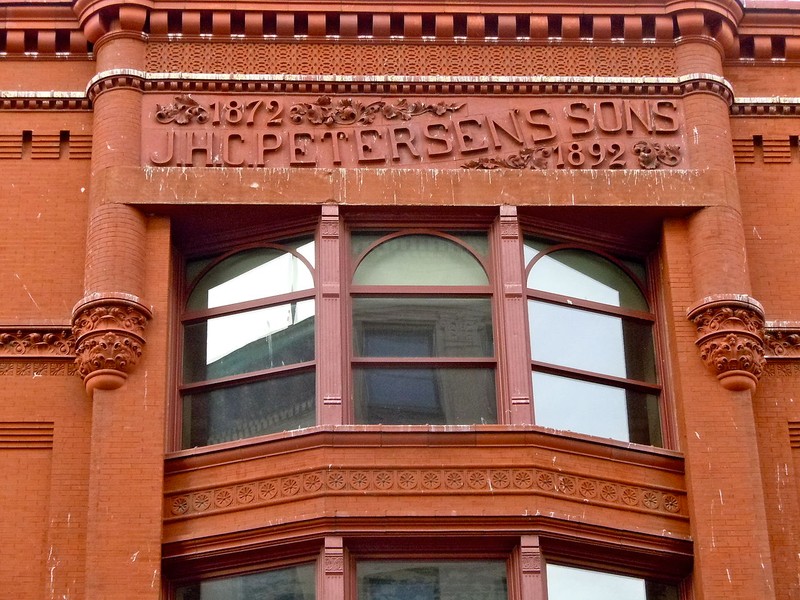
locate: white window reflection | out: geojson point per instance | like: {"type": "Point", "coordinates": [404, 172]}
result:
{"type": "Point", "coordinates": [282, 275]}
{"type": "Point", "coordinates": [578, 339]}
{"type": "Point", "coordinates": [233, 332]}
{"type": "Point", "coordinates": [554, 276]}
{"type": "Point", "coordinates": [573, 405]}
{"type": "Point", "coordinates": [568, 583]}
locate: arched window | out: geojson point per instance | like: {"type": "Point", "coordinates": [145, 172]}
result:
{"type": "Point", "coordinates": [423, 347]}
{"type": "Point", "coordinates": [248, 344]}
{"type": "Point", "coordinates": [592, 355]}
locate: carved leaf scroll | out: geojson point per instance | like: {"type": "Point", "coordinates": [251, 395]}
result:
{"type": "Point", "coordinates": [653, 154]}
{"type": "Point", "coordinates": [527, 158]}
{"type": "Point", "coordinates": [182, 111]}
{"type": "Point", "coordinates": [347, 111]}
{"type": "Point", "coordinates": [327, 112]}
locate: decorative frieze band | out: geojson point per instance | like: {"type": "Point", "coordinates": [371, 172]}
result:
{"type": "Point", "coordinates": [397, 84]}
{"type": "Point", "coordinates": [36, 342]}
{"type": "Point", "coordinates": [454, 481]}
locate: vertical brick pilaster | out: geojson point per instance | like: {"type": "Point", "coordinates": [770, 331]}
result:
{"type": "Point", "coordinates": [331, 582]}
{"type": "Point", "coordinates": [329, 336]}
{"type": "Point", "coordinates": [514, 351]}
{"type": "Point", "coordinates": [127, 259]}
{"type": "Point", "coordinates": [528, 570]}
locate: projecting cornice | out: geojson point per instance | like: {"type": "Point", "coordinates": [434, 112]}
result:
{"type": "Point", "coordinates": [767, 32]}
{"type": "Point", "coordinates": [613, 86]}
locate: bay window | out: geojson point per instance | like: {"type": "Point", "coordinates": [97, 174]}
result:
{"type": "Point", "coordinates": [412, 338]}
{"type": "Point", "coordinates": [436, 577]}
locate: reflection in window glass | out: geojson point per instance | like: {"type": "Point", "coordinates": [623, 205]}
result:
{"type": "Point", "coordinates": [569, 583]}
{"type": "Point", "coordinates": [591, 341]}
{"type": "Point", "coordinates": [417, 356]}
{"type": "Point", "coordinates": [248, 370]}
{"type": "Point", "coordinates": [603, 410]}
{"type": "Point", "coordinates": [253, 274]}
{"type": "Point", "coordinates": [431, 580]}
{"type": "Point", "coordinates": [587, 276]}
{"type": "Point", "coordinates": [426, 326]}
{"type": "Point", "coordinates": [248, 410]}
{"type": "Point", "coordinates": [250, 341]}
{"type": "Point", "coordinates": [420, 260]}
{"type": "Point", "coordinates": [291, 583]}
{"type": "Point", "coordinates": [424, 396]}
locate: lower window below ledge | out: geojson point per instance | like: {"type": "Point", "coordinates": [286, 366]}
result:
{"type": "Point", "coordinates": [426, 578]}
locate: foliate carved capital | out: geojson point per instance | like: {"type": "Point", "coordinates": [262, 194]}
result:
{"type": "Point", "coordinates": [109, 338]}
{"type": "Point", "coordinates": [730, 331]}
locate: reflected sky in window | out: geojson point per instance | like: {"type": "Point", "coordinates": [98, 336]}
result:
{"type": "Point", "coordinates": [281, 275]}
{"type": "Point", "coordinates": [569, 583]}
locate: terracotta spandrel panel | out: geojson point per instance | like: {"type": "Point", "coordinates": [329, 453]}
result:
{"type": "Point", "coordinates": [505, 474]}
{"type": "Point", "coordinates": [476, 133]}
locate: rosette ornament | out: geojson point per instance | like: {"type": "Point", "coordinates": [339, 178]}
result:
{"type": "Point", "coordinates": [730, 331]}
{"type": "Point", "coordinates": [109, 337]}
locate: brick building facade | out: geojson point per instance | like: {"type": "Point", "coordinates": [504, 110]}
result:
{"type": "Point", "coordinates": [427, 300]}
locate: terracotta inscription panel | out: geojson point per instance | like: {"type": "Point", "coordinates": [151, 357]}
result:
{"type": "Point", "coordinates": [246, 130]}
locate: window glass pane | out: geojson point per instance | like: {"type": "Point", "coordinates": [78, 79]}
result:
{"type": "Point", "coordinates": [247, 410]}
{"type": "Point", "coordinates": [250, 341]}
{"type": "Point", "coordinates": [291, 583]}
{"type": "Point", "coordinates": [431, 580]}
{"type": "Point", "coordinates": [594, 409]}
{"type": "Point", "coordinates": [587, 276]}
{"type": "Point", "coordinates": [428, 326]}
{"type": "Point", "coordinates": [569, 583]}
{"type": "Point", "coordinates": [420, 260]}
{"type": "Point", "coordinates": [590, 341]}
{"type": "Point", "coordinates": [433, 396]}
{"type": "Point", "coordinates": [478, 241]}
{"type": "Point", "coordinates": [253, 274]}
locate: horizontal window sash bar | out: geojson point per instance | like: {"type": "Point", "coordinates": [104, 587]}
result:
{"type": "Point", "coordinates": [587, 305]}
{"type": "Point", "coordinates": [197, 316]}
{"type": "Point", "coordinates": [417, 361]}
{"type": "Point", "coordinates": [249, 377]}
{"type": "Point", "coordinates": [421, 290]}
{"type": "Point", "coordinates": [593, 377]}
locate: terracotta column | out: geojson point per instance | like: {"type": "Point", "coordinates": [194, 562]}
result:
{"type": "Point", "coordinates": [724, 482]}
{"type": "Point", "coordinates": [127, 257]}
{"type": "Point", "coordinates": [109, 321]}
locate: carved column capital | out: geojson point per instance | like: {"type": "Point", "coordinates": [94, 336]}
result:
{"type": "Point", "coordinates": [730, 329]}
{"type": "Point", "coordinates": [109, 337]}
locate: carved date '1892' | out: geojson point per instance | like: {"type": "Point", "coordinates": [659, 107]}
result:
{"type": "Point", "coordinates": [582, 155]}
